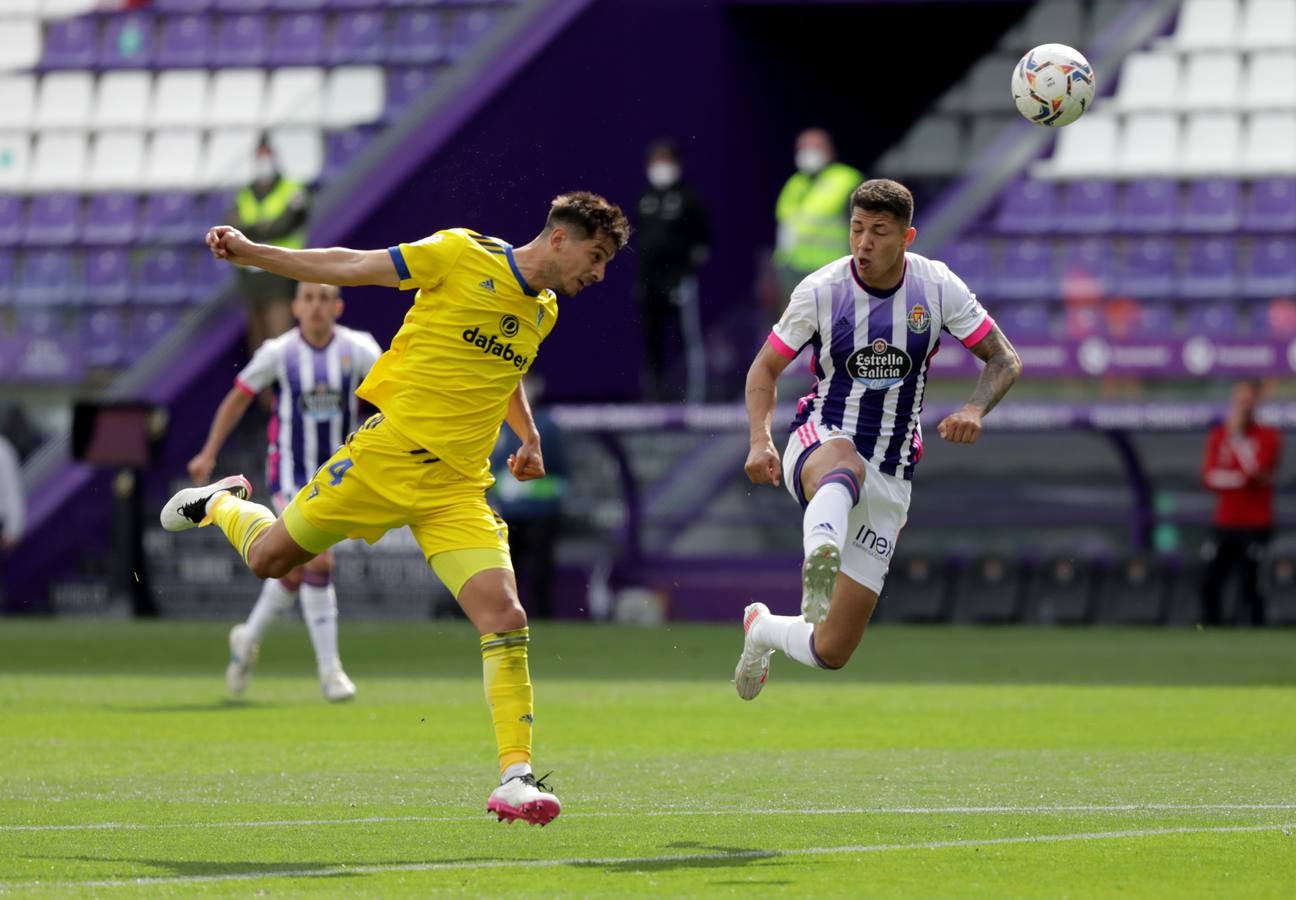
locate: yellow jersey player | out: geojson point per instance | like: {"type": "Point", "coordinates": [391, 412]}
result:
{"type": "Point", "coordinates": [452, 374]}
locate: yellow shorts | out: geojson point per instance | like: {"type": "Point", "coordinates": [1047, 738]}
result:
{"type": "Point", "coordinates": [381, 480]}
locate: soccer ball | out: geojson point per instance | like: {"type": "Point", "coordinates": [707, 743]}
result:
{"type": "Point", "coordinates": [1053, 85]}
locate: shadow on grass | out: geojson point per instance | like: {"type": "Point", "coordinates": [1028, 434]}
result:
{"type": "Point", "coordinates": [224, 704]}
{"type": "Point", "coordinates": [710, 856]}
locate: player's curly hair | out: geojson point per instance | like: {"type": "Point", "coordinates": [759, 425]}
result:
{"type": "Point", "coordinates": [591, 214]}
{"type": "Point", "coordinates": [882, 195]}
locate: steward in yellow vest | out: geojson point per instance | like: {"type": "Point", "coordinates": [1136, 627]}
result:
{"type": "Point", "coordinates": [813, 224]}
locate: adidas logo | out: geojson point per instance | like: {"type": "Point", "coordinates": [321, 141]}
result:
{"type": "Point", "coordinates": [826, 527]}
{"type": "Point", "coordinates": [489, 284]}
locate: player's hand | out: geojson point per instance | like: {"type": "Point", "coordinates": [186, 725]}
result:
{"type": "Point", "coordinates": [200, 468]}
{"type": "Point", "coordinates": [763, 465]}
{"type": "Point", "coordinates": [528, 462]}
{"type": "Point", "coordinates": [227, 242]}
{"type": "Point", "coordinates": [962, 426]}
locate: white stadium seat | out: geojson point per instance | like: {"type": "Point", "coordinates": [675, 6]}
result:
{"type": "Point", "coordinates": [20, 9]}
{"type": "Point", "coordinates": [58, 161]}
{"type": "Point", "coordinates": [64, 100]}
{"type": "Point", "coordinates": [15, 158]}
{"type": "Point", "coordinates": [300, 152]}
{"type": "Point", "coordinates": [354, 95]}
{"type": "Point", "coordinates": [1147, 81]}
{"type": "Point", "coordinates": [227, 161]}
{"type": "Point", "coordinates": [173, 160]}
{"type": "Point", "coordinates": [1269, 144]}
{"type": "Point", "coordinates": [180, 99]}
{"type": "Point", "coordinates": [237, 97]}
{"type": "Point", "coordinates": [1149, 145]}
{"type": "Point", "coordinates": [1212, 144]}
{"type": "Point", "coordinates": [123, 99]}
{"type": "Point", "coordinates": [18, 100]}
{"type": "Point", "coordinates": [933, 146]}
{"type": "Point", "coordinates": [117, 160]}
{"type": "Point", "coordinates": [1271, 80]}
{"type": "Point", "coordinates": [1212, 80]}
{"type": "Point", "coordinates": [21, 40]}
{"type": "Point", "coordinates": [988, 83]}
{"type": "Point", "coordinates": [295, 97]}
{"type": "Point", "coordinates": [1268, 23]}
{"type": "Point", "coordinates": [64, 9]}
{"type": "Point", "coordinates": [1084, 148]}
{"type": "Point", "coordinates": [1206, 23]}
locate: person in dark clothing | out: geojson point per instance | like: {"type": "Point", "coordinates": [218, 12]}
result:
{"type": "Point", "coordinates": [673, 244]}
{"type": "Point", "coordinates": [1239, 466]}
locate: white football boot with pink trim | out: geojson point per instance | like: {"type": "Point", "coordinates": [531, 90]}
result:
{"type": "Point", "coordinates": [524, 797]}
{"type": "Point", "coordinates": [753, 665]}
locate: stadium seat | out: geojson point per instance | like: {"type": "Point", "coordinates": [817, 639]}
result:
{"type": "Point", "coordinates": [971, 260]}
{"type": "Point", "coordinates": [1211, 205]}
{"type": "Point", "coordinates": [989, 590]}
{"type": "Point", "coordinates": [987, 83]}
{"type": "Point", "coordinates": [1087, 268]}
{"type": "Point", "coordinates": [1149, 205]}
{"type": "Point", "coordinates": [295, 96]}
{"type": "Point", "coordinates": [123, 100]}
{"type": "Point", "coordinates": [7, 266]}
{"type": "Point", "coordinates": [161, 277]}
{"type": "Point", "coordinates": [148, 328]}
{"type": "Point", "coordinates": [1270, 270]}
{"type": "Point", "coordinates": [298, 40]}
{"type": "Point", "coordinates": [341, 147]}
{"type": "Point", "coordinates": [106, 337]}
{"type": "Point", "coordinates": [18, 99]}
{"type": "Point", "coordinates": [1025, 318]}
{"type": "Point", "coordinates": [227, 160]}
{"type": "Point", "coordinates": [932, 147]}
{"type": "Point", "coordinates": [180, 99]}
{"type": "Point", "coordinates": [1269, 144]}
{"type": "Point", "coordinates": [1146, 269]}
{"type": "Point", "coordinates": [1211, 144]}
{"type": "Point", "coordinates": [61, 9]}
{"type": "Point", "coordinates": [1204, 24]}
{"type": "Point", "coordinates": [216, 207]}
{"type": "Point", "coordinates": [300, 152]}
{"type": "Point", "coordinates": [404, 86]}
{"type": "Point", "coordinates": [184, 42]}
{"type": "Point", "coordinates": [298, 5]}
{"type": "Point", "coordinates": [360, 4]}
{"type": "Point", "coordinates": [111, 218]}
{"type": "Point", "coordinates": [21, 39]}
{"type": "Point", "coordinates": [1028, 272]}
{"type": "Point", "coordinates": [1268, 23]}
{"type": "Point", "coordinates": [241, 6]}
{"type": "Point", "coordinates": [1064, 590]}
{"type": "Point", "coordinates": [917, 590]}
{"type": "Point", "coordinates": [1211, 317]}
{"type": "Point", "coordinates": [353, 95]}
{"type": "Point", "coordinates": [358, 37]}
{"type": "Point", "coordinates": [182, 6]}
{"type": "Point", "coordinates": [126, 42]}
{"type": "Point", "coordinates": [53, 218]}
{"type": "Point", "coordinates": [1210, 272]}
{"type": "Point", "coordinates": [1271, 205]}
{"type": "Point", "coordinates": [116, 160]}
{"type": "Point", "coordinates": [58, 161]}
{"type": "Point", "coordinates": [237, 98]}
{"type": "Point", "coordinates": [64, 100]}
{"type": "Point", "coordinates": [170, 217]}
{"type": "Point", "coordinates": [15, 159]}
{"type": "Point", "coordinates": [416, 38]}
{"type": "Point", "coordinates": [1027, 207]}
{"type": "Point", "coordinates": [242, 40]}
{"type": "Point", "coordinates": [1085, 148]}
{"type": "Point", "coordinates": [1271, 81]}
{"type": "Point", "coordinates": [172, 160]}
{"type": "Point", "coordinates": [1146, 78]}
{"type": "Point", "coordinates": [1147, 318]}
{"type": "Point", "coordinates": [1088, 207]}
{"type": "Point", "coordinates": [1212, 81]}
{"type": "Point", "coordinates": [107, 276]}
{"type": "Point", "coordinates": [1134, 590]}
{"type": "Point", "coordinates": [1149, 145]}
{"type": "Point", "coordinates": [47, 278]}
{"type": "Point", "coordinates": [11, 217]}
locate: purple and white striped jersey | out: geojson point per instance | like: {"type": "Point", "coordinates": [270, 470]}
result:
{"type": "Point", "coordinates": [315, 404]}
{"type": "Point", "coordinates": [871, 352]}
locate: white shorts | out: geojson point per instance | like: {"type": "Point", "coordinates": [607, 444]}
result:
{"type": "Point", "coordinates": [875, 522]}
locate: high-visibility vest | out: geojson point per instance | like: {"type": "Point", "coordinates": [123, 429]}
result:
{"type": "Point", "coordinates": [813, 226]}
{"type": "Point", "coordinates": [273, 206]}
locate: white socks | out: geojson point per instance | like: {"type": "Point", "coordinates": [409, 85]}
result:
{"type": "Point", "coordinates": [517, 770]}
{"type": "Point", "coordinates": [319, 609]}
{"type": "Point", "coordinates": [828, 511]}
{"type": "Point", "coordinates": [274, 597]}
{"type": "Point", "coordinates": [789, 634]}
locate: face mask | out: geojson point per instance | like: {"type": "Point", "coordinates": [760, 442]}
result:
{"type": "Point", "coordinates": [662, 175]}
{"type": "Point", "coordinates": [811, 160]}
{"type": "Point", "coordinates": [264, 169]}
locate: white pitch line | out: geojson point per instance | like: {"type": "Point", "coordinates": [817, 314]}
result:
{"type": "Point", "coordinates": [645, 860]}
{"type": "Point", "coordinates": [655, 813]}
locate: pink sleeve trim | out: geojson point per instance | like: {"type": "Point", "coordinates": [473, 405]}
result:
{"type": "Point", "coordinates": [242, 386]}
{"type": "Point", "coordinates": [783, 349]}
{"type": "Point", "coordinates": [981, 331]}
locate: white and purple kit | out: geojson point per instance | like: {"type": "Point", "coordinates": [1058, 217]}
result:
{"type": "Point", "coordinates": [315, 405]}
{"type": "Point", "coordinates": [870, 353]}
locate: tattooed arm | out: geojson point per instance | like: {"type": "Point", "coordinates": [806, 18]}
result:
{"type": "Point", "coordinates": [1002, 366]}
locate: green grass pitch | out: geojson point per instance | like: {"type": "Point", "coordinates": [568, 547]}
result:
{"type": "Point", "coordinates": [944, 762]}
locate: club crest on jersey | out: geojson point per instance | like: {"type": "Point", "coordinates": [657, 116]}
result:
{"type": "Point", "coordinates": [918, 320]}
{"type": "Point", "coordinates": [879, 366]}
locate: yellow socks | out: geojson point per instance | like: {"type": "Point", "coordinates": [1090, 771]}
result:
{"type": "Point", "coordinates": [241, 520]}
{"type": "Point", "coordinates": [508, 692]}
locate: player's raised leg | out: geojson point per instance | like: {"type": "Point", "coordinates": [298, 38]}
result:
{"type": "Point", "coordinates": [831, 476]}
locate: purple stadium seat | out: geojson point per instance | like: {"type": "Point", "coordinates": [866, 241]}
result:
{"type": "Point", "coordinates": [1210, 272]}
{"type": "Point", "coordinates": [1212, 205]}
{"type": "Point", "coordinates": [70, 43]}
{"type": "Point", "coordinates": [1087, 268]}
{"type": "Point", "coordinates": [7, 265]}
{"type": "Point", "coordinates": [1088, 207]}
{"type": "Point", "coordinates": [105, 338]}
{"type": "Point", "coordinates": [1025, 318]}
{"type": "Point", "coordinates": [107, 277]}
{"type": "Point", "coordinates": [47, 278]}
{"type": "Point", "coordinates": [1028, 272]}
{"type": "Point", "coordinates": [1211, 318]}
{"type": "Point", "coordinates": [52, 219]}
{"type": "Point", "coordinates": [970, 261]}
{"type": "Point", "coordinates": [243, 40]}
{"type": "Point", "coordinates": [126, 42]}
{"type": "Point", "coordinates": [182, 6]}
{"type": "Point", "coordinates": [242, 5]}
{"type": "Point", "coordinates": [1271, 205]}
{"type": "Point", "coordinates": [359, 4]}
{"type": "Point", "coordinates": [147, 329]}
{"type": "Point", "coordinates": [208, 274]}
{"type": "Point", "coordinates": [170, 218]}
{"type": "Point", "coordinates": [112, 218]}
{"type": "Point", "coordinates": [298, 40]}
{"type": "Point", "coordinates": [340, 147]}
{"type": "Point", "coordinates": [1271, 269]}
{"type": "Point", "coordinates": [11, 213]}
{"type": "Point", "coordinates": [1150, 319]}
{"type": "Point", "coordinates": [184, 42]}
{"type": "Point", "coordinates": [1027, 207]}
{"type": "Point", "coordinates": [161, 277]}
{"type": "Point", "coordinates": [1148, 206]}
{"type": "Point", "coordinates": [417, 38]}
{"type": "Point", "coordinates": [216, 209]}
{"type": "Point", "coordinates": [358, 37]}
{"type": "Point", "coordinates": [404, 86]}
{"type": "Point", "coordinates": [466, 29]}
{"type": "Point", "coordinates": [1146, 269]}
{"type": "Point", "coordinates": [296, 5]}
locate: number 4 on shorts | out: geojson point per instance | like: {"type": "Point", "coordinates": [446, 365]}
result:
{"type": "Point", "coordinates": [337, 470]}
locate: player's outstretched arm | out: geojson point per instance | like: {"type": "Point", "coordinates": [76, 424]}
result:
{"type": "Point", "coordinates": [335, 265]}
{"type": "Point", "coordinates": [1002, 368]}
{"type": "Point", "coordinates": [528, 462]}
{"type": "Point", "coordinates": [232, 408]}
{"type": "Point", "coordinates": [763, 465]}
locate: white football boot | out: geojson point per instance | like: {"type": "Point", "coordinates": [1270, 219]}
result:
{"type": "Point", "coordinates": [188, 508]}
{"type": "Point", "coordinates": [524, 797]}
{"type": "Point", "coordinates": [818, 578]}
{"type": "Point", "coordinates": [753, 664]}
{"type": "Point", "coordinates": [243, 655]}
{"type": "Point", "coordinates": [336, 686]}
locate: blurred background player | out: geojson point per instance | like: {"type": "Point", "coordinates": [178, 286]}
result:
{"type": "Point", "coordinates": [453, 373]}
{"type": "Point", "coordinates": [272, 209]}
{"type": "Point", "coordinates": [315, 369]}
{"type": "Point", "coordinates": [872, 319]}
{"type": "Point", "coordinates": [1240, 466]}
{"type": "Point", "coordinates": [673, 243]}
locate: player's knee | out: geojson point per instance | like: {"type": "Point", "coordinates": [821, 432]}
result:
{"type": "Point", "coordinates": [508, 617]}
{"type": "Point", "coordinates": [265, 563]}
{"type": "Point", "coordinates": [832, 654]}
{"type": "Point", "coordinates": [293, 580]}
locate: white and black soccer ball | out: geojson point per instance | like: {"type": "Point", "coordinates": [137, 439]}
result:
{"type": "Point", "coordinates": [1053, 85]}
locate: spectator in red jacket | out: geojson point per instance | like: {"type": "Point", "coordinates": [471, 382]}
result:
{"type": "Point", "coordinates": [1241, 459]}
